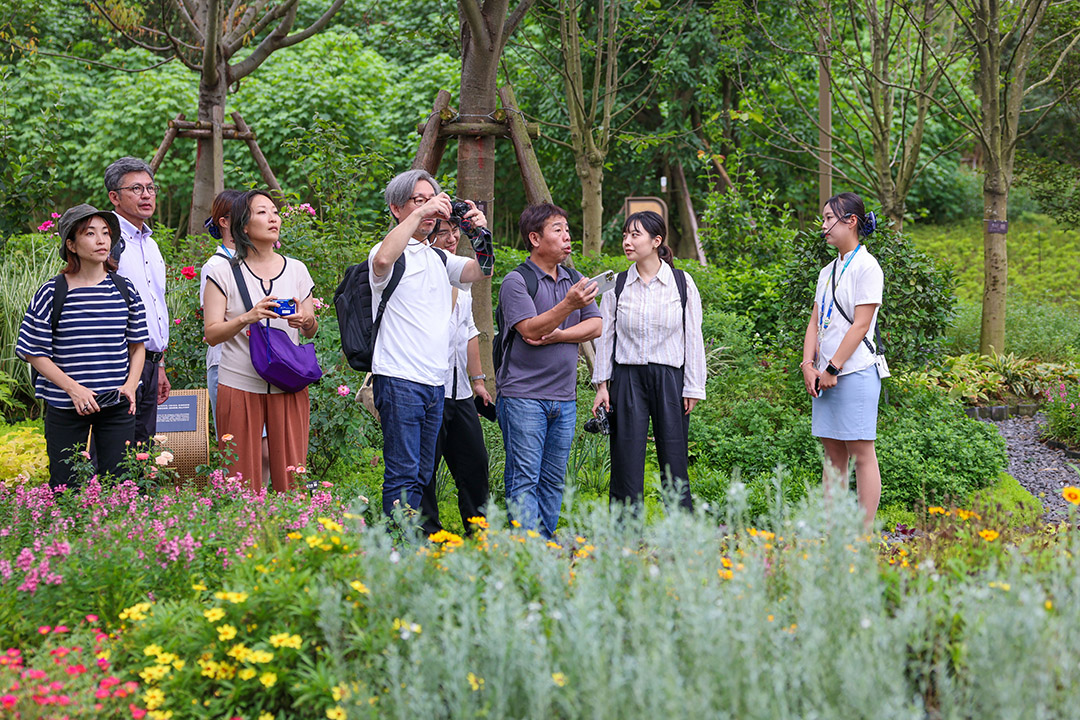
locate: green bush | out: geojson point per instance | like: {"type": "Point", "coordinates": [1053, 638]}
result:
{"type": "Point", "coordinates": [918, 302]}
{"type": "Point", "coordinates": [1062, 410]}
{"type": "Point", "coordinates": [1040, 330]}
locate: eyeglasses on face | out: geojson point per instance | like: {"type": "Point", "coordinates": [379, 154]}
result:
{"type": "Point", "coordinates": [139, 189]}
{"type": "Point", "coordinates": [420, 199]}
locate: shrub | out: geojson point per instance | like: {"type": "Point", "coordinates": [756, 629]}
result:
{"type": "Point", "coordinates": [1062, 410]}
{"type": "Point", "coordinates": [23, 457]}
{"type": "Point", "coordinates": [1042, 331]}
{"type": "Point", "coordinates": [918, 302]}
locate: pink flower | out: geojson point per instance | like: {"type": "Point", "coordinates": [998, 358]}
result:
{"type": "Point", "coordinates": [8, 701]}
{"type": "Point", "coordinates": [177, 321]}
{"type": "Point", "coordinates": [60, 629]}
{"type": "Point", "coordinates": [91, 618]}
{"type": "Point", "coordinates": [46, 226]}
{"type": "Point", "coordinates": [44, 629]}
{"type": "Point", "coordinates": [142, 456]}
{"type": "Point", "coordinates": [189, 272]}
{"type": "Point", "coordinates": [343, 390]}
{"type": "Point", "coordinates": [136, 712]}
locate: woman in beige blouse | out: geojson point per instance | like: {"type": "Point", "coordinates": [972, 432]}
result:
{"type": "Point", "coordinates": [650, 362]}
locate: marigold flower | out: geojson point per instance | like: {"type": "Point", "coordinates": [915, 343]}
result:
{"type": "Point", "coordinates": [152, 650]}
{"type": "Point", "coordinates": [936, 510]}
{"type": "Point", "coordinates": [247, 673]}
{"type": "Point", "coordinates": [268, 679]}
{"type": "Point", "coordinates": [336, 713]}
{"type": "Point", "coordinates": [154, 698]}
{"type": "Point", "coordinates": [1072, 494]}
{"type": "Point", "coordinates": [281, 640]}
{"type": "Point", "coordinates": [478, 521]}
{"type": "Point", "coordinates": [558, 678]}
{"type": "Point", "coordinates": [475, 682]}
{"type": "Point", "coordinates": [226, 632]}
{"type": "Point", "coordinates": [266, 716]}
{"type": "Point", "coordinates": [989, 535]}
{"type": "Point", "coordinates": [261, 656]}
{"type": "Point", "coordinates": [214, 614]}
{"type": "Point", "coordinates": [359, 587]}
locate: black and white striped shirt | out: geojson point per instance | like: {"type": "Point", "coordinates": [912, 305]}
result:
{"type": "Point", "coordinates": [91, 340]}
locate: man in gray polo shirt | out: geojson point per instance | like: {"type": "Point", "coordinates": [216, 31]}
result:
{"type": "Point", "coordinates": [537, 381]}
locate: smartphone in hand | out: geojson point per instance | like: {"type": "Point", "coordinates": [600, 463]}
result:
{"type": "Point", "coordinates": [604, 281]}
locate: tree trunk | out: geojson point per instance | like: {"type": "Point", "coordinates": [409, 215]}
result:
{"type": "Point", "coordinates": [995, 264]}
{"type": "Point", "coordinates": [209, 164]}
{"type": "Point", "coordinates": [592, 205]}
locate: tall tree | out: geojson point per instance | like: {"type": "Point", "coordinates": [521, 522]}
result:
{"type": "Point", "coordinates": [206, 36]}
{"type": "Point", "coordinates": [1006, 42]}
{"type": "Point", "coordinates": [602, 96]}
{"type": "Point", "coordinates": [884, 62]}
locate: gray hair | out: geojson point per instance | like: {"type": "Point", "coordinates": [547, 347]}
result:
{"type": "Point", "coordinates": [114, 174]}
{"type": "Point", "coordinates": [400, 189]}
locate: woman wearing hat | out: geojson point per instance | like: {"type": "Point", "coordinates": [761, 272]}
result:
{"type": "Point", "coordinates": [84, 335]}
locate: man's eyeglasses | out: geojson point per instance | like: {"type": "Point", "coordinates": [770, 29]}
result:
{"type": "Point", "coordinates": [419, 200]}
{"type": "Point", "coordinates": [140, 189]}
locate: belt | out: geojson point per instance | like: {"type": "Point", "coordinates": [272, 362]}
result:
{"type": "Point", "coordinates": [153, 357]}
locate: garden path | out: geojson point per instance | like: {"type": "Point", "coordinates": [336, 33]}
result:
{"type": "Point", "coordinates": [1043, 471]}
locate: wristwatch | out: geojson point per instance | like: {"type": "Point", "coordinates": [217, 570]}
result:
{"type": "Point", "coordinates": [474, 378]}
{"type": "Point", "coordinates": [832, 369]}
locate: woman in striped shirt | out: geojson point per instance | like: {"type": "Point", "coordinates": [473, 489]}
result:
{"type": "Point", "coordinates": [88, 351]}
{"type": "Point", "coordinates": [650, 362]}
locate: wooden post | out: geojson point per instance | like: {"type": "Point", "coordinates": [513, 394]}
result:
{"type": "Point", "coordinates": [432, 143]}
{"type": "Point", "coordinates": [257, 154]}
{"type": "Point", "coordinates": [686, 210]}
{"type": "Point", "coordinates": [536, 189]}
{"type": "Point", "coordinates": [166, 143]}
{"type": "Point", "coordinates": [218, 147]}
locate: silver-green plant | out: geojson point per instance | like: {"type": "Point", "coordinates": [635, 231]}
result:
{"type": "Point", "coordinates": [22, 272]}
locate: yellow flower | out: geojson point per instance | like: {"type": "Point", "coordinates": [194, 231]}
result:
{"type": "Point", "coordinates": [160, 714]}
{"type": "Point", "coordinates": [1048, 605]}
{"type": "Point", "coordinates": [515, 523]}
{"type": "Point", "coordinates": [936, 510]}
{"type": "Point", "coordinates": [725, 574]}
{"type": "Point", "coordinates": [727, 562]}
{"type": "Point", "coordinates": [154, 698]}
{"type": "Point", "coordinates": [248, 673]}
{"type": "Point", "coordinates": [554, 545]}
{"type": "Point", "coordinates": [266, 716]}
{"type": "Point", "coordinates": [286, 640]}
{"type": "Point", "coordinates": [261, 656]}
{"type": "Point", "coordinates": [1072, 494]}
{"type": "Point", "coordinates": [336, 713]}
{"type": "Point", "coordinates": [214, 614]}
{"type": "Point", "coordinates": [294, 536]}
{"type": "Point", "coordinates": [584, 551]}
{"type": "Point", "coordinates": [330, 525]}
{"type": "Point", "coordinates": [234, 597]}
{"type": "Point", "coordinates": [239, 651]}
{"type": "Point", "coordinates": [268, 679]}
{"type": "Point", "coordinates": [135, 612]}
{"type": "Point", "coordinates": [226, 632]}
{"type": "Point", "coordinates": [153, 673]}
{"type": "Point", "coordinates": [989, 535]}
{"type": "Point", "coordinates": [476, 683]}
{"type": "Point", "coordinates": [359, 587]}
{"type": "Point", "coordinates": [480, 522]}
{"type": "Point", "coordinates": [152, 650]}
{"type": "Point", "coordinates": [532, 533]}
{"type": "Point", "coordinates": [558, 678]}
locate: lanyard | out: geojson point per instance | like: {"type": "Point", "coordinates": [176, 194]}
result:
{"type": "Point", "coordinates": [225, 250]}
{"type": "Point", "coordinates": [825, 319]}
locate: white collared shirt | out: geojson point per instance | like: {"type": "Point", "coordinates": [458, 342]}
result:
{"type": "Point", "coordinates": [650, 328]}
{"type": "Point", "coordinates": [142, 264]}
{"type": "Point", "coordinates": [862, 283]}
{"type": "Point", "coordinates": [462, 330]}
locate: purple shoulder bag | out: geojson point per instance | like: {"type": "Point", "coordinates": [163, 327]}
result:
{"type": "Point", "coordinates": [276, 358]}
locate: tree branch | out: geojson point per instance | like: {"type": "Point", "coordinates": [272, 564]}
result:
{"type": "Point", "coordinates": [515, 18]}
{"type": "Point", "coordinates": [474, 17]}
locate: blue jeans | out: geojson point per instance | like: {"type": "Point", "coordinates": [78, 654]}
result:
{"type": "Point", "coordinates": [411, 415]}
{"type": "Point", "coordinates": [537, 436]}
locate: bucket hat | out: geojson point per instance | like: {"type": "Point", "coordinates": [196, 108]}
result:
{"type": "Point", "coordinates": [73, 216]}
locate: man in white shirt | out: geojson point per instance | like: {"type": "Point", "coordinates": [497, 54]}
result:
{"type": "Point", "coordinates": [410, 361]}
{"type": "Point", "coordinates": [130, 184]}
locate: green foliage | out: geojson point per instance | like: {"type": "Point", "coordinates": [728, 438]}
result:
{"type": "Point", "coordinates": [1055, 186]}
{"type": "Point", "coordinates": [23, 457]}
{"type": "Point", "coordinates": [1062, 411]}
{"type": "Point", "coordinates": [1009, 502]}
{"type": "Point", "coordinates": [918, 302]}
{"type": "Point", "coordinates": [1034, 329]}
{"type": "Point", "coordinates": [1044, 260]}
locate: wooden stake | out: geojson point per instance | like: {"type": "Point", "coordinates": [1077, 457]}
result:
{"type": "Point", "coordinates": [257, 154]}
{"type": "Point", "coordinates": [166, 143]}
{"type": "Point", "coordinates": [536, 188]}
{"type": "Point", "coordinates": [432, 142]}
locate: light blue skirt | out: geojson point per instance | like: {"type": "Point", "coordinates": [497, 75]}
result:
{"type": "Point", "coordinates": [849, 410]}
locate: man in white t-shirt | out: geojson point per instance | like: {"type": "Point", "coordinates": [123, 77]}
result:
{"type": "Point", "coordinates": [410, 359]}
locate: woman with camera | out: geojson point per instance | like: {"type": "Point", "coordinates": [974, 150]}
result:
{"type": "Point", "coordinates": [839, 362]}
{"type": "Point", "coordinates": [84, 334]}
{"type": "Point", "coordinates": [650, 362]}
{"type": "Point", "coordinates": [247, 402]}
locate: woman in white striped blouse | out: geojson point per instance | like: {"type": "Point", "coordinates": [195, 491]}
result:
{"type": "Point", "coordinates": [650, 362]}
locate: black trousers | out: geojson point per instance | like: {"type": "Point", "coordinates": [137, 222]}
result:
{"type": "Point", "coordinates": [146, 403]}
{"type": "Point", "coordinates": [66, 432]}
{"type": "Point", "coordinates": [639, 392]}
{"type": "Point", "coordinates": [461, 442]}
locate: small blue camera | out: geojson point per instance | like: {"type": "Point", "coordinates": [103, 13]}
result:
{"type": "Point", "coordinates": [286, 307]}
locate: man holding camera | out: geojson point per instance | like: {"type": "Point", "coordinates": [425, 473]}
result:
{"type": "Point", "coordinates": [409, 369]}
{"type": "Point", "coordinates": [537, 381]}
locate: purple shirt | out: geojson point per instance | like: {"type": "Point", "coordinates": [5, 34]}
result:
{"type": "Point", "coordinates": [142, 264]}
{"type": "Point", "coordinates": [545, 372]}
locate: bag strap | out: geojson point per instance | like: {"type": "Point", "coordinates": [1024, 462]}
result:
{"type": "Point", "coordinates": [60, 291]}
{"type": "Point", "coordinates": [241, 285]}
{"type": "Point", "coordinates": [395, 278]}
{"type": "Point", "coordinates": [121, 287]}
{"type": "Point", "coordinates": [836, 304]}
{"type": "Point", "coordinates": [620, 283]}
{"type": "Point", "coordinates": [532, 286]}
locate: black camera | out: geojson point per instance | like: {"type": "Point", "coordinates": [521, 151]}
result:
{"type": "Point", "coordinates": [599, 424]}
{"type": "Point", "coordinates": [458, 209]}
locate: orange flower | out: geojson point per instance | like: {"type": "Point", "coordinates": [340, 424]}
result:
{"type": "Point", "coordinates": [1072, 494]}
{"type": "Point", "coordinates": [989, 535]}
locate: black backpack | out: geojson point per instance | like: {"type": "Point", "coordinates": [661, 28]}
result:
{"type": "Point", "coordinates": [353, 301]}
{"type": "Point", "coordinates": [504, 337]}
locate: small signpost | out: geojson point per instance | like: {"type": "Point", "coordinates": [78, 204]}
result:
{"type": "Point", "coordinates": [183, 420]}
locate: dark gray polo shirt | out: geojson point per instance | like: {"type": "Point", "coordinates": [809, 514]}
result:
{"type": "Point", "coordinates": [545, 372]}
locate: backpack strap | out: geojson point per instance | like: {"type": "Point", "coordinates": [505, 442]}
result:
{"type": "Point", "coordinates": [60, 291]}
{"type": "Point", "coordinates": [438, 251]}
{"type": "Point", "coordinates": [620, 283]}
{"type": "Point", "coordinates": [121, 287]}
{"type": "Point", "coordinates": [532, 286]}
{"type": "Point", "coordinates": [118, 248]}
{"type": "Point", "coordinates": [395, 278]}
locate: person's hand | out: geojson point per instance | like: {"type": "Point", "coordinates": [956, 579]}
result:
{"type": "Point", "coordinates": [602, 398]}
{"type": "Point", "coordinates": [163, 386]}
{"type": "Point", "coordinates": [301, 319]}
{"type": "Point", "coordinates": [480, 390]}
{"type": "Point", "coordinates": [581, 294]}
{"type": "Point", "coordinates": [83, 399]}
{"type": "Point", "coordinates": [688, 404]}
{"type": "Point", "coordinates": [476, 215]}
{"type": "Point", "coordinates": [437, 207]}
{"type": "Point", "coordinates": [828, 380]}
{"type": "Point", "coordinates": [129, 390]}
{"type": "Point", "coordinates": [811, 378]}
{"type": "Point", "coordinates": [262, 310]}
{"type": "Point", "coordinates": [555, 336]}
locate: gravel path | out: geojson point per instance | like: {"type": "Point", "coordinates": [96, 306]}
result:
{"type": "Point", "coordinates": [1041, 470]}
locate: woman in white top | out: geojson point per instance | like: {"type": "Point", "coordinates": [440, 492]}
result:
{"type": "Point", "coordinates": [650, 362]}
{"type": "Point", "coordinates": [246, 402]}
{"type": "Point", "coordinates": [839, 353]}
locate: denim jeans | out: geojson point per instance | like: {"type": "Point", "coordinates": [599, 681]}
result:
{"type": "Point", "coordinates": [537, 436]}
{"type": "Point", "coordinates": [411, 415]}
